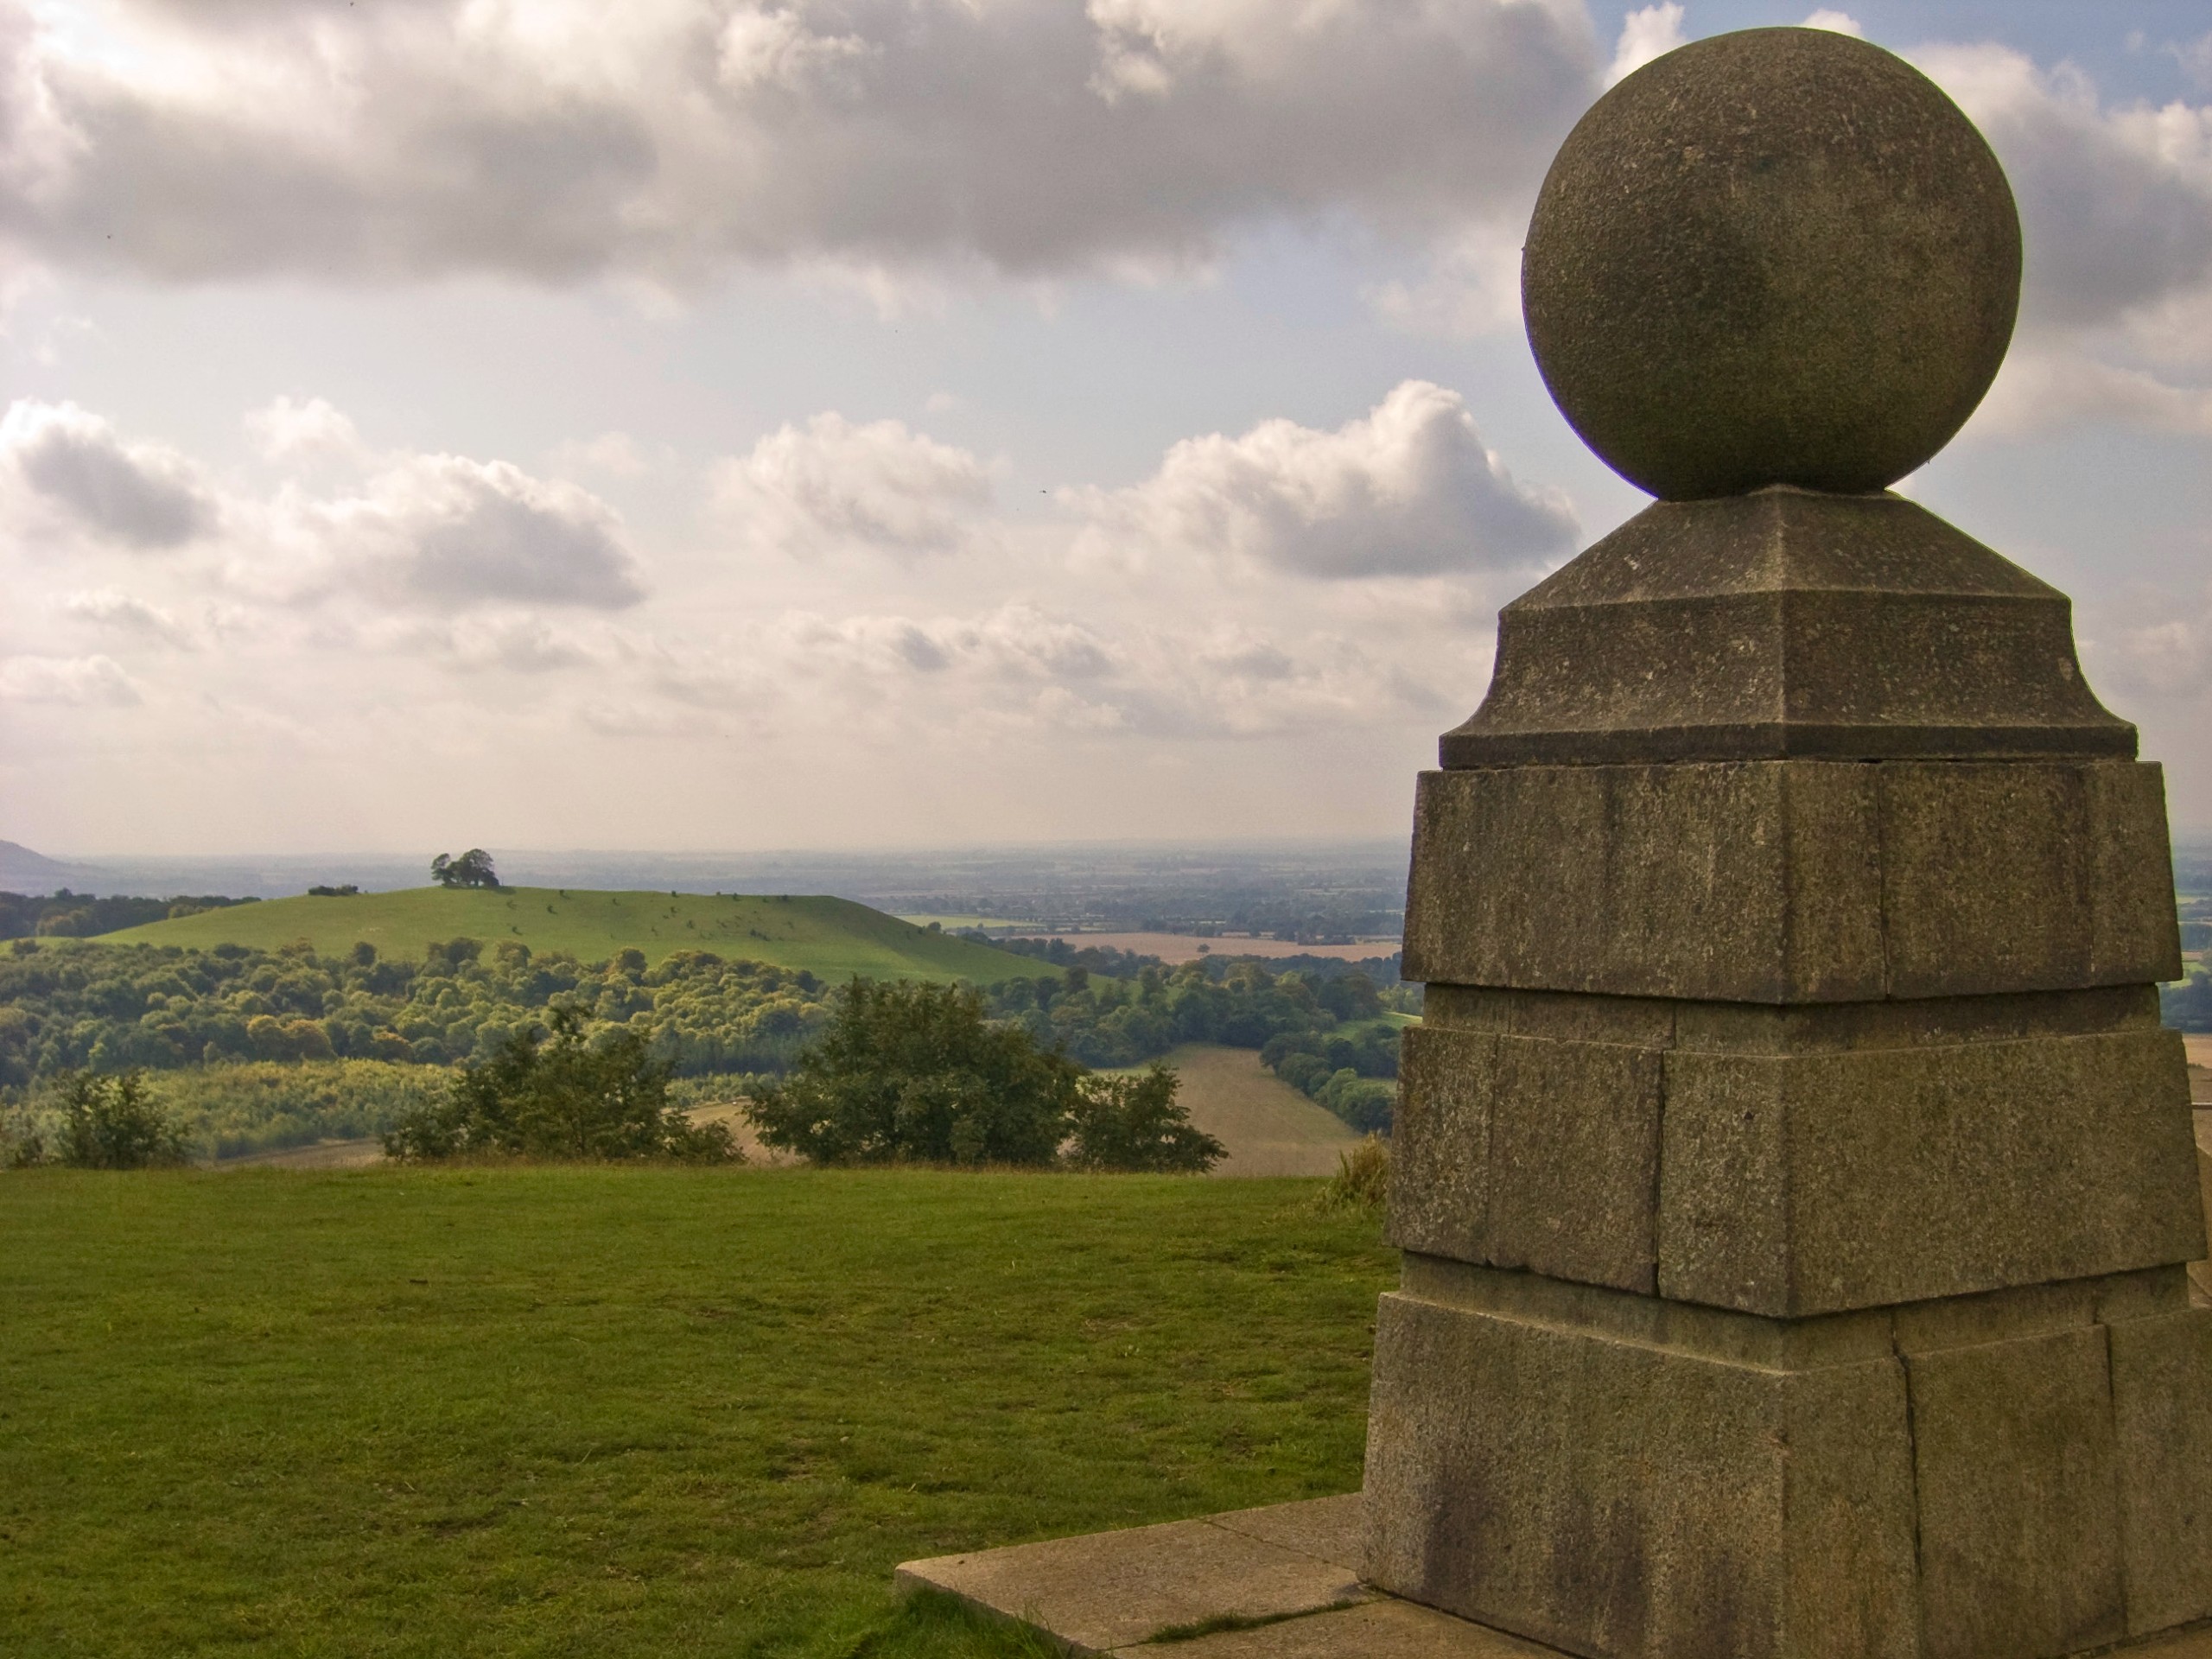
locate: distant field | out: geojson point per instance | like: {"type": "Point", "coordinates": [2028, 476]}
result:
{"type": "Point", "coordinates": [833, 937]}
{"type": "Point", "coordinates": [635, 1412]}
{"type": "Point", "coordinates": [1175, 948]}
{"type": "Point", "coordinates": [1269, 1127]}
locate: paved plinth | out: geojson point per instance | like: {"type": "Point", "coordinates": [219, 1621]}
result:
{"type": "Point", "coordinates": [1280, 1579]}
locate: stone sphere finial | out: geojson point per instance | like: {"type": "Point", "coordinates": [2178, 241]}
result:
{"type": "Point", "coordinates": [1777, 256]}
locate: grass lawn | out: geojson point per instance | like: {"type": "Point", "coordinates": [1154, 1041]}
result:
{"type": "Point", "coordinates": [590, 1411]}
{"type": "Point", "coordinates": [834, 937]}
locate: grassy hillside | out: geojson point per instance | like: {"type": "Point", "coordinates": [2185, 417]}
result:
{"type": "Point", "coordinates": [565, 1411]}
{"type": "Point", "coordinates": [833, 937]}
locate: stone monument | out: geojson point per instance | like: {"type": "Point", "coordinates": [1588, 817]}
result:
{"type": "Point", "coordinates": [1795, 1181]}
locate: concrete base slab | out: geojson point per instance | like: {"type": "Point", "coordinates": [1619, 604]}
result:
{"type": "Point", "coordinates": [1281, 1580]}
{"type": "Point", "coordinates": [1114, 1590]}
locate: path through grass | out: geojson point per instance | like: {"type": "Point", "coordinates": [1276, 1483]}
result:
{"type": "Point", "coordinates": [608, 1412]}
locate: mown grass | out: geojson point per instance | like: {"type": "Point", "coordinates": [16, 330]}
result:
{"type": "Point", "coordinates": [594, 1411]}
{"type": "Point", "coordinates": [833, 937]}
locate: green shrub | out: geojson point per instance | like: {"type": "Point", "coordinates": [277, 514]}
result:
{"type": "Point", "coordinates": [1133, 1123]}
{"type": "Point", "coordinates": [1362, 1177]}
{"type": "Point", "coordinates": [112, 1123]}
{"type": "Point", "coordinates": [915, 1072]}
{"type": "Point", "coordinates": [268, 1105]}
{"type": "Point", "coordinates": [554, 1095]}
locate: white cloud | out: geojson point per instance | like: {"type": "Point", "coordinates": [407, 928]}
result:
{"type": "Point", "coordinates": [2115, 203]}
{"type": "Point", "coordinates": [70, 469]}
{"type": "Point", "coordinates": [2049, 389]}
{"type": "Point", "coordinates": [2195, 57]}
{"type": "Point", "coordinates": [85, 682]}
{"type": "Point", "coordinates": [111, 607]}
{"type": "Point", "coordinates": [1839, 22]}
{"type": "Point", "coordinates": [289, 430]}
{"type": "Point", "coordinates": [1021, 667]}
{"type": "Point", "coordinates": [1408, 490]}
{"type": "Point", "coordinates": [1473, 287]}
{"type": "Point", "coordinates": [424, 531]}
{"type": "Point", "coordinates": [667, 139]}
{"type": "Point", "coordinates": [617, 454]}
{"type": "Point", "coordinates": [444, 530]}
{"type": "Point", "coordinates": [2149, 641]}
{"type": "Point", "coordinates": [842, 485]}
{"type": "Point", "coordinates": [1647, 32]}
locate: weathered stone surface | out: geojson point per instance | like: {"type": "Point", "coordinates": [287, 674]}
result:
{"type": "Point", "coordinates": [1817, 1182]}
{"type": "Point", "coordinates": [1812, 1159]}
{"type": "Point", "coordinates": [2060, 852]}
{"type": "Point", "coordinates": [2162, 1413]}
{"type": "Point", "coordinates": [1785, 624]}
{"type": "Point", "coordinates": [1113, 1589]}
{"type": "Point", "coordinates": [1375, 1630]}
{"type": "Point", "coordinates": [1749, 882]}
{"type": "Point", "coordinates": [1715, 277]}
{"type": "Point", "coordinates": [1524, 1153]}
{"type": "Point", "coordinates": [1439, 1143]}
{"type": "Point", "coordinates": [2019, 1524]}
{"type": "Point", "coordinates": [1614, 1499]}
{"type": "Point", "coordinates": [1792, 881]}
{"type": "Point", "coordinates": [1327, 1528]}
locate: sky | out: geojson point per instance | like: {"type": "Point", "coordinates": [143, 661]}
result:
{"type": "Point", "coordinates": [875, 423]}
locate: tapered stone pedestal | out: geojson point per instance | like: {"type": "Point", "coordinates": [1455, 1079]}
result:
{"type": "Point", "coordinates": [1797, 1191]}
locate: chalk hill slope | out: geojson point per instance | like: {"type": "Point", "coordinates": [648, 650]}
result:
{"type": "Point", "coordinates": [832, 937]}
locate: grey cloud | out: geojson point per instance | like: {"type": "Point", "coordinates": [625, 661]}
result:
{"type": "Point", "coordinates": [113, 609]}
{"type": "Point", "coordinates": [668, 141]}
{"type": "Point", "coordinates": [446, 533]}
{"type": "Point", "coordinates": [2115, 203]}
{"type": "Point", "coordinates": [134, 495]}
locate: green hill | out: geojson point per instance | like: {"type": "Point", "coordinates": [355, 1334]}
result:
{"type": "Point", "coordinates": [832, 937]}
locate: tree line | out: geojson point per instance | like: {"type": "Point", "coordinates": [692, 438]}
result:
{"type": "Point", "coordinates": [108, 1008]}
{"type": "Point", "coordinates": [66, 915]}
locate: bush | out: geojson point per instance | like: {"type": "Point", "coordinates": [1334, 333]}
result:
{"type": "Point", "coordinates": [553, 1095]}
{"type": "Point", "coordinates": [1350, 1071]}
{"type": "Point", "coordinates": [112, 1123]}
{"type": "Point", "coordinates": [915, 1072]}
{"type": "Point", "coordinates": [1362, 1177]}
{"type": "Point", "coordinates": [2188, 1006]}
{"type": "Point", "coordinates": [267, 1105]}
{"type": "Point", "coordinates": [1133, 1123]}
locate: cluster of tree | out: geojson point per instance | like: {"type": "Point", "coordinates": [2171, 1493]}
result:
{"type": "Point", "coordinates": [350, 890]}
{"type": "Point", "coordinates": [1091, 958]}
{"type": "Point", "coordinates": [2188, 1006]}
{"type": "Point", "coordinates": [109, 1008]}
{"type": "Point", "coordinates": [471, 869]}
{"type": "Point", "coordinates": [106, 1122]}
{"type": "Point", "coordinates": [1116, 1022]}
{"type": "Point", "coordinates": [919, 1073]}
{"type": "Point", "coordinates": [67, 915]}
{"type": "Point", "coordinates": [553, 1093]}
{"type": "Point", "coordinates": [1352, 1071]}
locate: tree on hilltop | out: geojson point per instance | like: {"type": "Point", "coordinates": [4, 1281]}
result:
{"type": "Point", "coordinates": [472, 869]}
